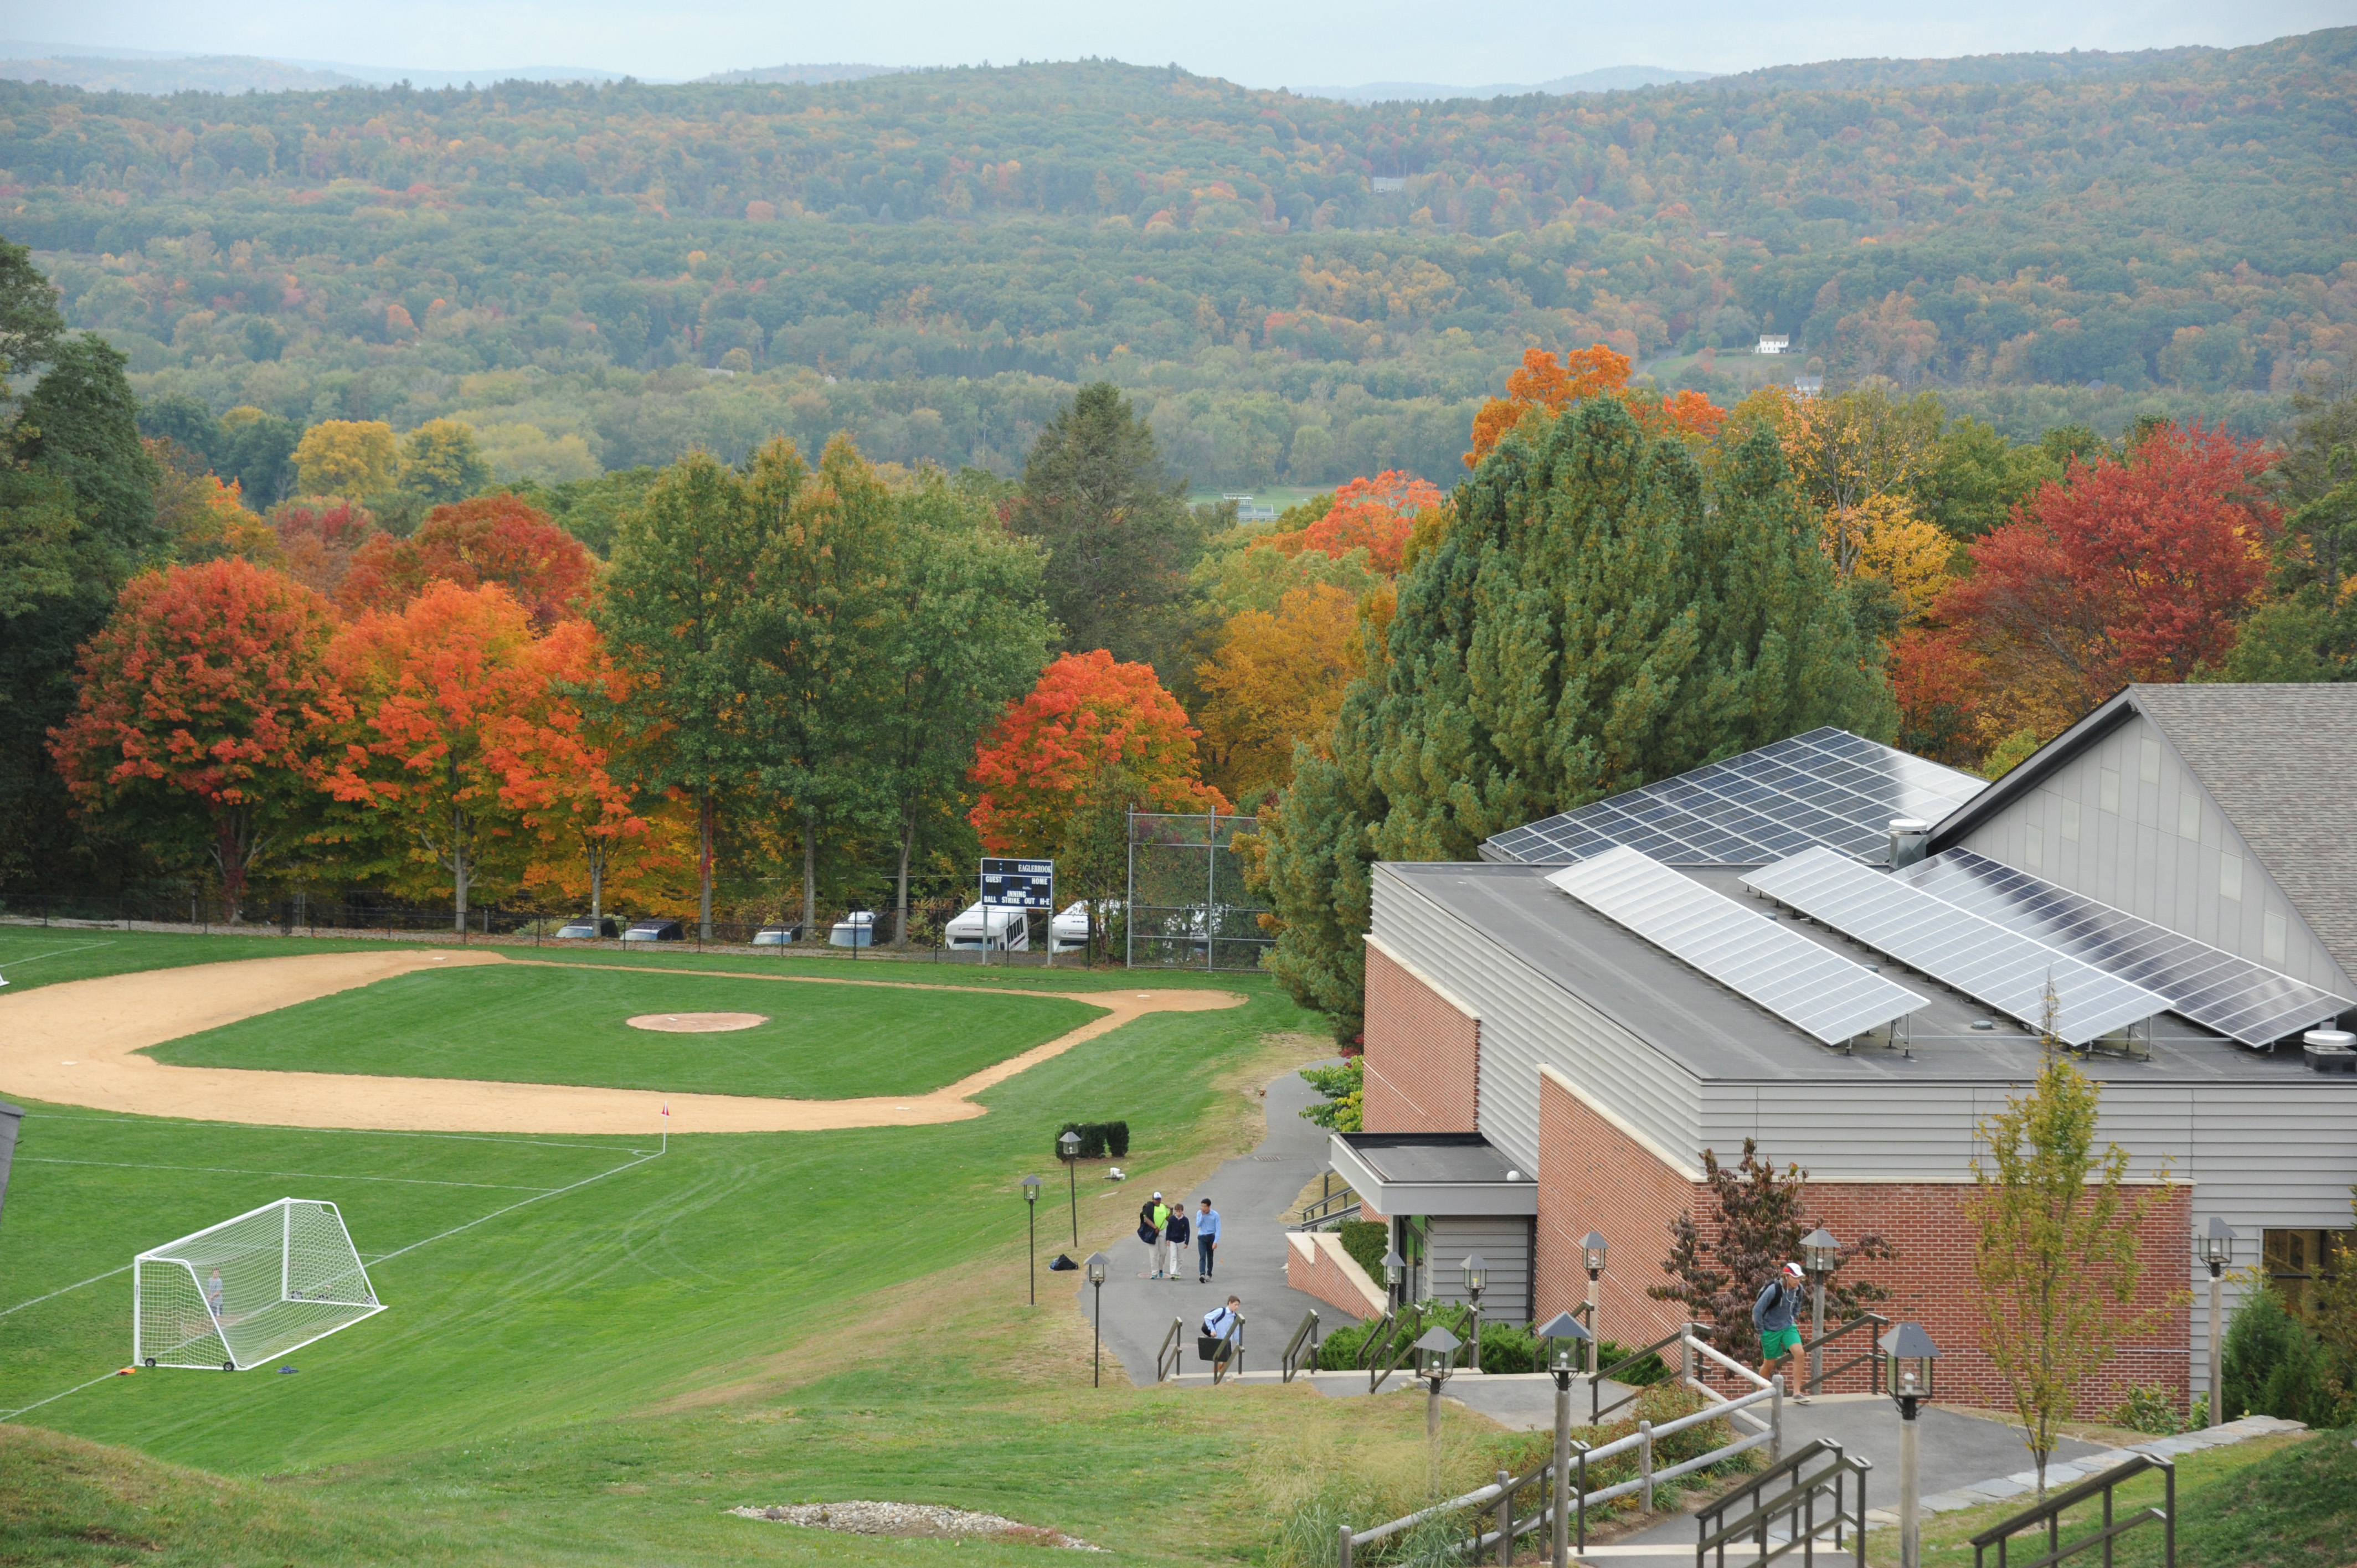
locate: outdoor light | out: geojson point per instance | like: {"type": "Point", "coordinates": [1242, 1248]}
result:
{"type": "Point", "coordinates": [1477, 1276]}
{"type": "Point", "coordinates": [1068, 1149]}
{"type": "Point", "coordinates": [1910, 1353]}
{"type": "Point", "coordinates": [1070, 1143]}
{"type": "Point", "coordinates": [1820, 1255]}
{"type": "Point", "coordinates": [1819, 1251]}
{"type": "Point", "coordinates": [1593, 1248]}
{"type": "Point", "coordinates": [1559, 1343]}
{"type": "Point", "coordinates": [1392, 1265]}
{"type": "Point", "coordinates": [1097, 1266]}
{"type": "Point", "coordinates": [1562, 1337]}
{"type": "Point", "coordinates": [2215, 1247]}
{"type": "Point", "coordinates": [1031, 1208]}
{"type": "Point", "coordinates": [1435, 1353]}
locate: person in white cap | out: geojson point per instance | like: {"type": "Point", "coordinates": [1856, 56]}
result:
{"type": "Point", "coordinates": [1151, 1217]}
{"type": "Point", "coordinates": [1780, 1336]}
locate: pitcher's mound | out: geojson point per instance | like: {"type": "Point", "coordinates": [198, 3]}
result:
{"type": "Point", "coordinates": [697, 1022]}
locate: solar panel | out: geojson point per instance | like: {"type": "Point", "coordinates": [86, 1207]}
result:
{"type": "Point", "coordinates": [2007, 971]}
{"type": "Point", "coordinates": [2241, 1000]}
{"type": "Point", "coordinates": [1825, 788]}
{"type": "Point", "coordinates": [1811, 987]}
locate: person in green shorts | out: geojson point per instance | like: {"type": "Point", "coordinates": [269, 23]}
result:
{"type": "Point", "coordinates": [1780, 1336]}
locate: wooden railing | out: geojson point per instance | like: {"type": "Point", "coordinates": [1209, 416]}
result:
{"type": "Point", "coordinates": [1785, 1497]}
{"type": "Point", "coordinates": [2050, 1514]}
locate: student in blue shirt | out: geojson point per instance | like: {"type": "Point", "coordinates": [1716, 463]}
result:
{"type": "Point", "coordinates": [1207, 1241]}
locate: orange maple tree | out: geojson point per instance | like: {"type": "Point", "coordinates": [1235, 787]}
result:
{"type": "Point", "coordinates": [1550, 385]}
{"type": "Point", "coordinates": [2128, 569]}
{"type": "Point", "coordinates": [318, 540]}
{"type": "Point", "coordinates": [1376, 515]}
{"type": "Point", "coordinates": [1092, 724]}
{"type": "Point", "coordinates": [460, 717]}
{"type": "Point", "coordinates": [207, 696]}
{"type": "Point", "coordinates": [490, 539]}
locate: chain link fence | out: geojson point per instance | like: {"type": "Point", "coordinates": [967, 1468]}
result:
{"type": "Point", "coordinates": [1188, 905]}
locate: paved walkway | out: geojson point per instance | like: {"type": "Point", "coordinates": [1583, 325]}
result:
{"type": "Point", "coordinates": [1251, 1195]}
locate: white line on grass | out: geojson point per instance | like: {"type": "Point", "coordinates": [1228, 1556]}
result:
{"type": "Point", "coordinates": [63, 1290]}
{"type": "Point", "coordinates": [60, 952]}
{"type": "Point", "coordinates": [27, 1409]}
{"type": "Point", "coordinates": [511, 1209]}
{"type": "Point", "coordinates": [300, 1176]}
{"type": "Point", "coordinates": [347, 1132]}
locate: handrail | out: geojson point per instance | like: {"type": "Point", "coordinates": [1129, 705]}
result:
{"type": "Point", "coordinates": [1173, 1354]}
{"type": "Point", "coordinates": [1222, 1366]}
{"type": "Point", "coordinates": [2050, 1513]}
{"type": "Point", "coordinates": [1597, 1409]}
{"type": "Point", "coordinates": [1394, 1350]}
{"type": "Point", "coordinates": [1873, 1352]}
{"type": "Point", "coordinates": [1292, 1360]}
{"type": "Point", "coordinates": [1330, 1205]}
{"type": "Point", "coordinates": [1796, 1503]}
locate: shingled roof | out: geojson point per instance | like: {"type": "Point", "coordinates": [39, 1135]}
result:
{"type": "Point", "coordinates": [2281, 762]}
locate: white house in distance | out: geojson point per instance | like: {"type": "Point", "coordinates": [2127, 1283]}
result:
{"type": "Point", "coordinates": [1777, 345]}
{"type": "Point", "coordinates": [1844, 951]}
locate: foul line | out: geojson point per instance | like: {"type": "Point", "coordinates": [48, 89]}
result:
{"type": "Point", "coordinates": [58, 953]}
{"type": "Point", "coordinates": [318, 1132]}
{"type": "Point", "coordinates": [298, 1176]}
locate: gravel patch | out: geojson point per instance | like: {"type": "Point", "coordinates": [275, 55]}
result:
{"type": "Point", "coordinates": [913, 1519]}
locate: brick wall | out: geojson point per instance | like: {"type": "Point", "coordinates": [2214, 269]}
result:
{"type": "Point", "coordinates": [1315, 1264]}
{"type": "Point", "coordinates": [1593, 1174]}
{"type": "Point", "coordinates": [1423, 1054]}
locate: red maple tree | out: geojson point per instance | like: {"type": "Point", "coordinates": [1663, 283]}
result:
{"type": "Point", "coordinates": [490, 539]}
{"type": "Point", "coordinates": [1090, 725]}
{"type": "Point", "coordinates": [319, 540]}
{"type": "Point", "coordinates": [205, 699]}
{"type": "Point", "coordinates": [1376, 515]}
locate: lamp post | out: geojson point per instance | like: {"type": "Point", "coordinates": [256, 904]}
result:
{"type": "Point", "coordinates": [1098, 1263]}
{"type": "Point", "coordinates": [1477, 1278]}
{"type": "Point", "coordinates": [1068, 1149]}
{"type": "Point", "coordinates": [1031, 1208]}
{"type": "Point", "coordinates": [1911, 1353]}
{"type": "Point", "coordinates": [1593, 1250]}
{"type": "Point", "coordinates": [1393, 1266]}
{"type": "Point", "coordinates": [1820, 1255]}
{"type": "Point", "coordinates": [1435, 1352]}
{"type": "Point", "coordinates": [2216, 1248]}
{"type": "Point", "coordinates": [1559, 1344]}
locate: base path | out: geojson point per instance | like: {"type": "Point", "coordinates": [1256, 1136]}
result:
{"type": "Point", "coordinates": [78, 1044]}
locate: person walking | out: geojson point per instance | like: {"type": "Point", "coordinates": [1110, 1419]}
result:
{"type": "Point", "coordinates": [1224, 1327]}
{"type": "Point", "coordinates": [1207, 1242]}
{"type": "Point", "coordinates": [1150, 1217]}
{"type": "Point", "coordinates": [1780, 1336]}
{"type": "Point", "coordinates": [1175, 1234]}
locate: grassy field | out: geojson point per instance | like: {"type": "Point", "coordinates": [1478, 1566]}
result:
{"type": "Point", "coordinates": [565, 1024]}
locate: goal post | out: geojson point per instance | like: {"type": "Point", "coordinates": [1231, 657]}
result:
{"type": "Point", "coordinates": [238, 1294]}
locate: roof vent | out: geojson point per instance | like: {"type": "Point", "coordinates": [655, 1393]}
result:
{"type": "Point", "coordinates": [1911, 837]}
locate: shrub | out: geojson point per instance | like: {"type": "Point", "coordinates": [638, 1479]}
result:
{"type": "Point", "coordinates": [1098, 1139]}
{"type": "Point", "coordinates": [1367, 1241]}
{"type": "Point", "coordinates": [2273, 1366]}
{"type": "Point", "coordinates": [2152, 1410]}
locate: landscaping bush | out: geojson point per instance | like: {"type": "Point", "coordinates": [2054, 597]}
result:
{"type": "Point", "coordinates": [1367, 1241]}
{"type": "Point", "coordinates": [2273, 1366]}
{"type": "Point", "coordinates": [1098, 1139]}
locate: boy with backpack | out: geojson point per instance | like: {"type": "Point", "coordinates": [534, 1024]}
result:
{"type": "Point", "coordinates": [1780, 1336]}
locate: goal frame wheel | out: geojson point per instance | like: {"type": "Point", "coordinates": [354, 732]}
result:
{"type": "Point", "coordinates": [229, 1366]}
{"type": "Point", "coordinates": [151, 1362]}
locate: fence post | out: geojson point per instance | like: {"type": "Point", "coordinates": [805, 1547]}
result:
{"type": "Point", "coordinates": [1645, 1463]}
{"type": "Point", "coordinates": [1776, 1419]}
{"type": "Point", "coordinates": [1210, 886]}
{"type": "Point", "coordinates": [1129, 960]}
{"type": "Point", "coordinates": [1505, 1518]}
{"type": "Point", "coordinates": [1342, 1553]}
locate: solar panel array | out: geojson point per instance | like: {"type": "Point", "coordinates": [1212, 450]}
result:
{"type": "Point", "coordinates": [1828, 787]}
{"type": "Point", "coordinates": [2241, 1000]}
{"type": "Point", "coordinates": [1809, 986]}
{"type": "Point", "coordinates": [2003, 968]}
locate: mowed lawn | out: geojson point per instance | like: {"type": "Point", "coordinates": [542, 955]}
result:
{"type": "Point", "coordinates": [542, 1024]}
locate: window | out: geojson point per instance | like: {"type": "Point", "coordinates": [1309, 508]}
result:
{"type": "Point", "coordinates": [2148, 763]}
{"type": "Point", "coordinates": [2036, 852]}
{"type": "Point", "coordinates": [2273, 951]}
{"type": "Point", "coordinates": [2230, 876]}
{"type": "Point", "coordinates": [2070, 822]}
{"type": "Point", "coordinates": [2292, 1259]}
{"type": "Point", "coordinates": [2189, 813]}
{"type": "Point", "coordinates": [2110, 800]}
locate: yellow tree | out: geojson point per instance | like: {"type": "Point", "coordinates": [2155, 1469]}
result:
{"type": "Point", "coordinates": [347, 458]}
{"type": "Point", "coordinates": [1275, 678]}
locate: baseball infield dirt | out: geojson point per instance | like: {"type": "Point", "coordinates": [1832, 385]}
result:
{"type": "Point", "coordinates": [76, 1044]}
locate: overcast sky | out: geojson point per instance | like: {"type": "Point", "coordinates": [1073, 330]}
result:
{"type": "Point", "coordinates": [1255, 43]}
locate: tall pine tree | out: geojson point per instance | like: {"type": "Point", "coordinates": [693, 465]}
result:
{"type": "Point", "coordinates": [1601, 613]}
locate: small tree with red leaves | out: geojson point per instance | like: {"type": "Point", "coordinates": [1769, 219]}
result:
{"type": "Point", "coordinates": [490, 538]}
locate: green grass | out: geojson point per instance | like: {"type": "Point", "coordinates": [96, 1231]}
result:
{"type": "Point", "coordinates": [35, 956]}
{"type": "Point", "coordinates": [553, 1025]}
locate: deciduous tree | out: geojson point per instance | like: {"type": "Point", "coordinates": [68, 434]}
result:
{"type": "Point", "coordinates": [441, 462]}
{"type": "Point", "coordinates": [318, 542]}
{"type": "Point", "coordinates": [348, 457]}
{"type": "Point", "coordinates": [205, 713]}
{"type": "Point", "coordinates": [2056, 1254]}
{"type": "Point", "coordinates": [1275, 680]}
{"type": "Point", "coordinates": [491, 539]}
{"type": "Point", "coordinates": [1546, 383]}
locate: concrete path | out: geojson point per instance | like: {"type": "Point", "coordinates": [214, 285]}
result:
{"type": "Point", "coordinates": [1251, 1195]}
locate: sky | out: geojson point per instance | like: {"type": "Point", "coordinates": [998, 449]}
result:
{"type": "Point", "coordinates": [1248, 41]}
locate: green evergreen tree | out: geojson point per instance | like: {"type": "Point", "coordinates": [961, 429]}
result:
{"type": "Point", "coordinates": [1599, 614]}
{"type": "Point", "coordinates": [1119, 535]}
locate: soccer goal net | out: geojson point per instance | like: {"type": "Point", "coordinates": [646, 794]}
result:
{"type": "Point", "coordinates": [249, 1289]}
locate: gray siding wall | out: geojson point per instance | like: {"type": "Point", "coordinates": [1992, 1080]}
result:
{"type": "Point", "coordinates": [1504, 1245]}
{"type": "Point", "coordinates": [2138, 856]}
{"type": "Point", "coordinates": [1527, 1019]}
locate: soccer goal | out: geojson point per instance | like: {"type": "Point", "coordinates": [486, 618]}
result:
{"type": "Point", "coordinates": [243, 1292]}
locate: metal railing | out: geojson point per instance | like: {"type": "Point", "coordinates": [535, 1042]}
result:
{"type": "Point", "coordinates": [1641, 1442]}
{"type": "Point", "coordinates": [1597, 1409]}
{"type": "Point", "coordinates": [1335, 1205]}
{"type": "Point", "coordinates": [2050, 1514]}
{"type": "Point", "coordinates": [1222, 1365]}
{"type": "Point", "coordinates": [1173, 1354]}
{"type": "Point", "coordinates": [1296, 1358]}
{"type": "Point", "coordinates": [1799, 1479]}
{"type": "Point", "coordinates": [1512, 1524]}
{"type": "Point", "coordinates": [1873, 1323]}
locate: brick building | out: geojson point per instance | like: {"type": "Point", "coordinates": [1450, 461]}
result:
{"type": "Point", "coordinates": [1844, 952]}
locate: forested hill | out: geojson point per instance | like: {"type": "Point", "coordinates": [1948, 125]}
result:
{"type": "Point", "coordinates": [1297, 289]}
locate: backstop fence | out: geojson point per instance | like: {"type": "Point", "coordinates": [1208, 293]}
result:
{"type": "Point", "coordinates": [1188, 905]}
